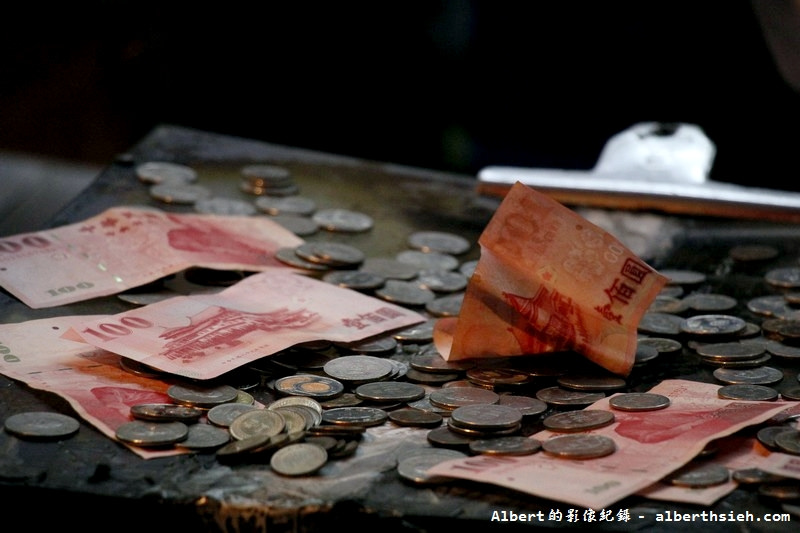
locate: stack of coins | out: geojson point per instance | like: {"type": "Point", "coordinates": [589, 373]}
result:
{"type": "Point", "coordinates": [267, 179]}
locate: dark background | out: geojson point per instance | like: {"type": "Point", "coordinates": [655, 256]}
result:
{"type": "Point", "coordinates": [451, 85]}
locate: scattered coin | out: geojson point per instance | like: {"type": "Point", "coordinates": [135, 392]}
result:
{"type": "Point", "coordinates": [166, 412]}
{"type": "Point", "coordinates": [486, 417]}
{"type": "Point", "coordinates": [202, 396]}
{"type": "Point", "coordinates": [560, 397]}
{"type": "Point", "coordinates": [299, 225]}
{"type": "Point", "coordinates": [390, 391]}
{"type": "Point", "coordinates": [179, 193]}
{"type": "Point", "coordinates": [357, 369]}
{"type": "Point", "coordinates": [700, 475]}
{"type": "Point", "coordinates": [713, 325]}
{"type": "Point", "coordinates": [442, 306]}
{"type": "Point", "coordinates": [299, 459]}
{"type": "Point", "coordinates": [41, 425]}
{"type": "Point", "coordinates": [446, 281]}
{"type": "Point", "coordinates": [205, 437]}
{"type": "Point", "coordinates": [224, 206]}
{"type": "Point", "coordinates": [414, 468]}
{"type": "Point", "coordinates": [660, 324]}
{"type": "Point", "coordinates": [710, 303]}
{"type": "Point", "coordinates": [257, 422]}
{"type": "Point", "coordinates": [292, 205]}
{"type": "Point", "coordinates": [154, 172]}
{"type": "Point", "coordinates": [331, 254]}
{"type": "Point", "coordinates": [784, 278]}
{"type": "Point", "coordinates": [753, 252]}
{"type": "Point", "coordinates": [730, 351]}
{"type": "Point", "coordinates": [428, 261]}
{"type": "Point", "coordinates": [591, 382]}
{"type": "Point", "coordinates": [683, 277]}
{"type": "Point", "coordinates": [354, 279]}
{"type": "Point", "coordinates": [766, 435]}
{"type": "Point", "coordinates": [748, 392]}
{"type": "Point", "coordinates": [318, 387]}
{"type": "Point", "coordinates": [755, 476]}
{"type": "Point", "coordinates": [439, 241]}
{"type": "Point", "coordinates": [639, 401]}
{"type": "Point", "coordinates": [342, 220]}
{"type": "Point", "coordinates": [224, 414]}
{"type": "Point", "coordinates": [579, 446]}
{"type": "Point", "coordinates": [508, 445]}
{"type": "Point", "coordinates": [390, 268]}
{"type": "Point", "coordinates": [788, 441]}
{"type": "Point", "coordinates": [152, 434]}
{"type": "Point", "coordinates": [526, 405]}
{"type": "Point", "coordinates": [452, 398]}
{"type": "Point", "coordinates": [763, 375]}
{"type": "Point", "coordinates": [411, 417]}
{"type": "Point", "coordinates": [288, 256]}
{"type": "Point", "coordinates": [355, 416]}
{"type": "Point", "coordinates": [406, 293]}
{"type": "Point", "coordinates": [582, 420]}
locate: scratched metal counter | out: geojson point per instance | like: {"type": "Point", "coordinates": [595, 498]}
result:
{"type": "Point", "coordinates": [94, 483]}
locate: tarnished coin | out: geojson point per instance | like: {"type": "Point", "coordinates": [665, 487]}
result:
{"type": "Point", "coordinates": [486, 417]}
{"type": "Point", "coordinates": [139, 369]}
{"type": "Point", "coordinates": [645, 354]}
{"type": "Point", "coordinates": [454, 397]}
{"type": "Point", "coordinates": [766, 435]}
{"type": "Point", "coordinates": [342, 220]}
{"type": "Point", "coordinates": [558, 396]}
{"type": "Point", "coordinates": [224, 414]}
{"type": "Point", "coordinates": [791, 394]}
{"type": "Point", "coordinates": [784, 491]}
{"type": "Point", "coordinates": [357, 280]}
{"type": "Point", "coordinates": [508, 445]}
{"type": "Point", "coordinates": [668, 304]}
{"type": "Point", "coordinates": [257, 422]}
{"type": "Point", "coordinates": [784, 278]}
{"type": "Point", "coordinates": [444, 438]}
{"type": "Point", "coordinates": [407, 293]}
{"type": "Point", "coordinates": [591, 382]}
{"type": "Point", "coordinates": [356, 369]}
{"type": "Point", "coordinates": [439, 241]}
{"type": "Point", "coordinates": [754, 476]}
{"type": "Point", "coordinates": [428, 261]}
{"type": "Point", "coordinates": [772, 305]}
{"type": "Point", "coordinates": [416, 334]}
{"type": "Point", "coordinates": [224, 206]}
{"type": "Point", "coordinates": [390, 391]}
{"type": "Point", "coordinates": [763, 375]}
{"type": "Point", "coordinates": [293, 205]}
{"type": "Point", "coordinates": [237, 449]}
{"type": "Point", "coordinates": [288, 256]}
{"type": "Point", "coordinates": [298, 459]}
{"type": "Point", "coordinates": [381, 344]}
{"type": "Point", "coordinates": [660, 324]}
{"type": "Point", "coordinates": [431, 378]}
{"type": "Point", "coordinates": [788, 442]}
{"type": "Point", "coordinates": [639, 401]}
{"type": "Point", "coordinates": [433, 362]}
{"type": "Point", "coordinates": [498, 377]}
{"type": "Point", "coordinates": [730, 351]}
{"type": "Point", "coordinates": [179, 193]}
{"type": "Point", "coordinates": [355, 416]}
{"type": "Point", "coordinates": [700, 475]}
{"type": "Point", "coordinates": [332, 254]}
{"type": "Point", "coordinates": [152, 434]}
{"type": "Point", "coordinates": [297, 400]}
{"type": "Point", "coordinates": [753, 252]}
{"type": "Point", "coordinates": [389, 268]}
{"type": "Point", "coordinates": [713, 325]}
{"type": "Point", "coordinates": [41, 425]}
{"type": "Point", "coordinates": [166, 412]}
{"type": "Point", "coordinates": [410, 417]}
{"type": "Point", "coordinates": [579, 446]}
{"type": "Point", "coordinates": [582, 420]}
{"type": "Point", "coordinates": [748, 392]}
{"type": "Point", "coordinates": [205, 437]}
{"type": "Point", "coordinates": [318, 387]}
{"type": "Point", "coordinates": [154, 172]}
{"type": "Point", "coordinates": [413, 468]}
{"type": "Point", "coordinates": [202, 396]}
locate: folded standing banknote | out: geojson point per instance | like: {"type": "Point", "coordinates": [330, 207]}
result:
{"type": "Point", "coordinates": [205, 335]}
{"type": "Point", "coordinates": [548, 281]}
{"type": "Point", "coordinates": [125, 247]}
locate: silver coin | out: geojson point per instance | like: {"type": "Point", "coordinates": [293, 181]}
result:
{"type": "Point", "coordinates": [342, 220]}
{"type": "Point", "coordinates": [224, 414]}
{"type": "Point", "coordinates": [713, 324]}
{"type": "Point", "coordinates": [558, 396]}
{"type": "Point", "coordinates": [203, 396]}
{"type": "Point", "coordinates": [152, 434]}
{"type": "Point", "coordinates": [288, 256]}
{"type": "Point", "coordinates": [389, 268]}
{"type": "Point", "coordinates": [468, 267]}
{"type": "Point", "coordinates": [639, 401]}
{"type": "Point", "coordinates": [764, 375]}
{"type": "Point", "coordinates": [730, 351]}
{"type": "Point", "coordinates": [683, 277]}
{"type": "Point", "coordinates": [508, 445]}
{"type": "Point", "coordinates": [784, 278]}
{"type": "Point", "coordinates": [446, 281]}
{"type": "Point", "coordinates": [147, 298]}
{"type": "Point", "coordinates": [406, 293]}
{"type": "Point", "coordinates": [645, 354]}
{"type": "Point", "coordinates": [309, 416]}
{"type": "Point", "coordinates": [433, 362]}
{"type": "Point", "coordinates": [267, 173]}
{"type": "Point", "coordinates": [390, 391]}
{"type": "Point", "coordinates": [660, 324]}
{"type": "Point", "coordinates": [754, 476]}
{"type": "Point", "coordinates": [257, 422]}
{"type": "Point", "coordinates": [710, 303]}
{"type": "Point", "coordinates": [771, 305]}
{"type": "Point", "coordinates": [298, 459]}
{"type": "Point", "coordinates": [788, 442]}
{"type": "Point", "coordinates": [224, 206]}
{"type": "Point", "coordinates": [700, 475]}
{"type": "Point", "coordinates": [428, 261]}
{"type": "Point", "coordinates": [297, 400]}
{"type": "Point", "coordinates": [331, 254]}
{"type": "Point", "coordinates": [356, 369]}
{"type": "Point", "coordinates": [748, 392]}
{"type": "Point", "coordinates": [166, 412]}
{"type": "Point", "coordinates": [299, 225]}
{"type": "Point", "coordinates": [486, 417]}
{"type": "Point", "coordinates": [439, 241]}
{"type": "Point", "coordinates": [179, 193]}
{"type": "Point", "coordinates": [154, 172]}
{"type": "Point", "coordinates": [413, 468]}
{"type": "Point", "coordinates": [591, 382]}
{"type": "Point", "coordinates": [205, 437]}
{"type": "Point", "coordinates": [292, 205]}
{"type": "Point", "coordinates": [454, 397]}
{"type": "Point", "coordinates": [355, 416]}
{"type": "Point", "coordinates": [582, 420]}
{"type": "Point", "coordinates": [444, 306]}
{"type": "Point", "coordinates": [357, 280]}
{"type": "Point", "coordinates": [668, 304]}
{"type": "Point", "coordinates": [418, 333]}
{"type": "Point", "coordinates": [41, 425]}
{"type": "Point", "coordinates": [766, 435]}
{"type": "Point", "coordinates": [753, 252]}
{"type": "Point", "coordinates": [526, 405]}
{"type": "Point", "coordinates": [498, 377]}
{"type": "Point", "coordinates": [579, 446]}
{"type": "Point", "coordinates": [380, 344]}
